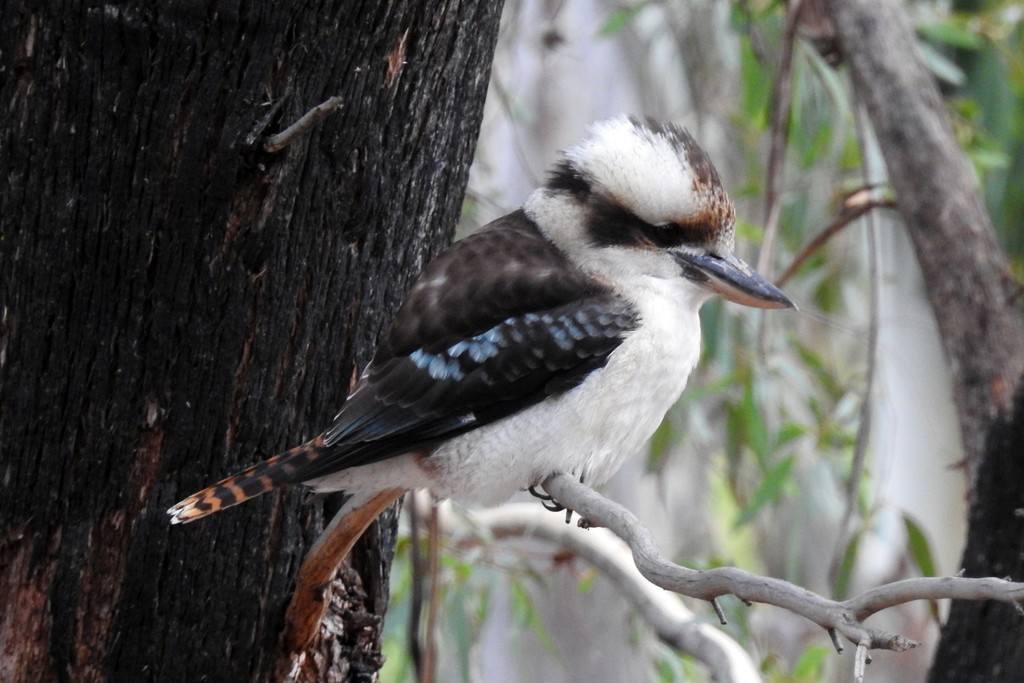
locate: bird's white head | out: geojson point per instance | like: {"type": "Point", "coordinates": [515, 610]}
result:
{"type": "Point", "coordinates": [639, 197]}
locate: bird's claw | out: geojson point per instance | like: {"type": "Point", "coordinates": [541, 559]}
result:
{"type": "Point", "coordinates": [547, 501]}
{"type": "Point", "coordinates": [553, 505]}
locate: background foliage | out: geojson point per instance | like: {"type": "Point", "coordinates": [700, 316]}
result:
{"type": "Point", "coordinates": [757, 466]}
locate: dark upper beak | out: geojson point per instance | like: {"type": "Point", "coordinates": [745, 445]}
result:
{"type": "Point", "coordinates": [734, 279]}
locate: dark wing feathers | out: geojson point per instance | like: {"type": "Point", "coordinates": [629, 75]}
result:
{"type": "Point", "coordinates": [497, 323]}
{"type": "Point", "coordinates": [480, 379]}
{"type": "Point", "coordinates": [387, 418]}
{"type": "Point", "coordinates": [504, 270]}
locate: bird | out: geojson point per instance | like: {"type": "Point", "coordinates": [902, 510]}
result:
{"type": "Point", "coordinates": [551, 341]}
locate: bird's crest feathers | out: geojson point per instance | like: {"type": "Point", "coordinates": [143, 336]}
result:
{"type": "Point", "coordinates": [658, 173]}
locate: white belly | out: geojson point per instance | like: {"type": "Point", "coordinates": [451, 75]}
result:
{"type": "Point", "coordinates": [588, 431]}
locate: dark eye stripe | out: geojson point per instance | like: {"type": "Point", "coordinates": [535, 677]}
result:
{"type": "Point", "coordinates": [611, 225]}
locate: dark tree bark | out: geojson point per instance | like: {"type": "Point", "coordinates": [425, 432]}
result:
{"type": "Point", "coordinates": [977, 307]}
{"type": "Point", "coordinates": [176, 304]}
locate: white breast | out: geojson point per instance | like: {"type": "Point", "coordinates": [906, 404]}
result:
{"type": "Point", "coordinates": [589, 430]}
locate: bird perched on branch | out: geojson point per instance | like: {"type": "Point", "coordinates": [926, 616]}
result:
{"type": "Point", "coordinates": [553, 340]}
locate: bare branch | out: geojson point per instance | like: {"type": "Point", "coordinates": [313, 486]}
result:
{"type": "Point", "coordinates": [416, 598]}
{"type": "Point", "coordinates": [933, 588]}
{"type": "Point", "coordinates": [953, 236]}
{"type": "Point", "coordinates": [674, 624]}
{"type": "Point", "coordinates": [780, 107]}
{"type": "Point", "coordinates": [429, 672]}
{"type": "Point", "coordinates": [845, 617]}
{"type": "Point", "coordinates": [851, 211]}
{"type": "Point", "coordinates": [870, 154]}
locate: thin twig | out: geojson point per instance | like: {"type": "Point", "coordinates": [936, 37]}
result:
{"type": "Point", "coordinates": [416, 595]}
{"type": "Point", "coordinates": [849, 213]}
{"type": "Point", "coordinates": [278, 141]}
{"type": "Point", "coordinates": [869, 154]}
{"type": "Point", "coordinates": [836, 643]}
{"type": "Point", "coordinates": [434, 557]}
{"type": "Point", "coordinates": [719, 612]}
{"type": "Point", "coordinates": [780, 109]}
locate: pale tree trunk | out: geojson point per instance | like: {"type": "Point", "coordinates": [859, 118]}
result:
{"type": "Point", "coordinates": [977, 308]}
{"type": "Point", "coordinates": [177, 303]}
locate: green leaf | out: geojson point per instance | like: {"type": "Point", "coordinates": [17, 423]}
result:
{"type": "Point", "coordinates": [749, 233]}
{"type": "Point", "coordinates": [811, 665]}
{"type": "Point", "coordinates": [770, 489]}
{"type": "Point", "coordinates": [943, 67]}
{"type": "Point", "coordinates": [921, 553]}
{"type": "Point", "coordinates": [586, 583]}
{"type": "Point", "coordinates": [789, 432]}
{"type": "Point", "coordinates": [989, 159]}
{"type": "Point", "coordinates": [918, 547]}
{"type": "Point", "coordinates": [460, 568]}
{"type": "Point", "coordinates": [619, 19]}
{"type": "Point", "coordinates": [756, 85]}
{"type": "Point", "coordinates": [671, 667]}
{"type": "Point", "coordinates": [664, 437]}
{"type": "Point", "coordinates": [754, 428]}
{"type": "Point", "coordinates": [842, 579]}
{"type": "Point", "coordinates": [526, 615]}
{"type": "Point", "coordinates": [953, 34]}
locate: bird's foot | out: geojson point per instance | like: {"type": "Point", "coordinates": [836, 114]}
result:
{"type": "Point", "coordinates": [547, 501]}
{"type": "Point", "coordinates": [553, 505]}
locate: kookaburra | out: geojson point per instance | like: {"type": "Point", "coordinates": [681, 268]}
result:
{"type": "Point", "coordinates": [553, 340]}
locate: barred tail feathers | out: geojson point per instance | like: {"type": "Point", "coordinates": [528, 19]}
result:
{"type": "Point", "coordinates": [285, 468]}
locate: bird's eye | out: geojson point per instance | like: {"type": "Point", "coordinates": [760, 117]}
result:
{"type": "Point", "coordinates": [666, 235]}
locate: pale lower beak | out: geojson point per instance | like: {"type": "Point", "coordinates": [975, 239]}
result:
{"type": "Point", "coordinates": [733, 279]}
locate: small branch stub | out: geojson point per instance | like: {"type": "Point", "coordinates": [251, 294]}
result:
{"type": "Point", "coordinates": [836, 643]}
{"type": "Point", "coordinates": [862, 659]}
{"type": "Point", "coordinates": [278, 141]}
{"type": "Point", "coordinates": [718, 612]}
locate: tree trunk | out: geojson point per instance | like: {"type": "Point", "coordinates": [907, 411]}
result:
{"type": "Point", "coordinates": [976, 305]}
{"type": "Point", "coordinates": [176, 303]}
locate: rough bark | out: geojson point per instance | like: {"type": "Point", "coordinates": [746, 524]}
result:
{"type": "Point", "coordinates": [176, 304]}
{"type": "Point", "coordinates": [976, 305]}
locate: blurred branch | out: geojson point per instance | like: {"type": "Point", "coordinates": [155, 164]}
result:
{"type": "Point", "coordinates": [961, 261]}
{"type": "Point", "coordinates": [421, 638]}
{"type": "Point", "coordinates": [429, 672]}
{"type": "Point", "coordinates": [780, 109]}
{"type": "Point", "coordinates": [870, 167]}
{"type": "Point", "coordinates": [416, 599]}
{"type": "Point", "coordinates": [845, 617]}
{"type": "Point", "coordinates": [674, 624]}
{"type": "Point", "coordinates": [854, 206]}
{"type": "Point", "coordinates": [966, 278]}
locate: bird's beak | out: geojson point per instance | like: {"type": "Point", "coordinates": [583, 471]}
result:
{"type": "Point", "coordinates": [734, 279]}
